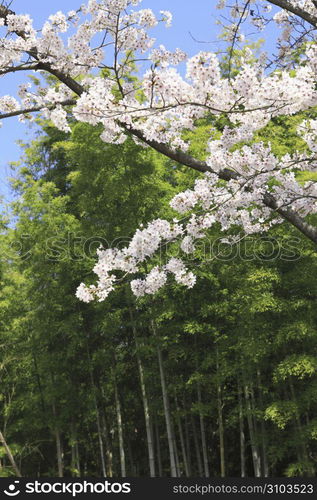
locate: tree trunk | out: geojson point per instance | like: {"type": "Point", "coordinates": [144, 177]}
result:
{"type": "Point", "coordinates": [100, 441]}
{"type": "Point", "coordinates": [158, 449]}
{"type": "Point", "coordinates": [59, 450]}
{"type": "Point", "coordinates": [264, 461]}
{"type": "Point", "coordinates": [59, 453]}
{"type": "Point", "coordinates": [197, 447]}
{"type": "Point", "coordinates": [94, 390]}
{"type": "Point", "coordinates": [255, 451]}
{"type": "Point", "coordinates": [188, 447]}
{"type": "Point", "coordinates": [242, 435]}
{"type": "Point", "coordinates": [221, 433]}
{"type": "Point", "coordinates": [77, 459]}
{"type": "Point", "coordinates": [73, 458]}
{"type": "Point", "coordinates": [166, 405]}
{"type": "Point", "coordinates": [10, 456]}
{"type": "Point", "coordinates": [75, 468]}
{"type": "Point", "coordinates": [203, 435]}
{"type": "Point", "coordinates": [146, 407]}
{"type": "Point", "coordinates": [178, 470]}
{"type": "Point", "coordinates": [105, 435]}
{"type": "Point", "coordinates": [257, 433]}
{"type": "Point", "coordinates": [120, 430]}
{"type": "Point", "coordinates": [182, 441]}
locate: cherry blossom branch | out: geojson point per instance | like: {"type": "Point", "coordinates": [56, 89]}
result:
{"type": "Point", "coordinates": [176, 155]}
{"type": "Point", "coordinates": [22, 67]}
{"type": "Point", "coordinates": [70, 82]}
{"type": "Point", "coordinates": [295, 9]}
{"type": "Point", "coordinates": [62, 77]}
{"type": "Point", "coordinates": [184, 159]}
{"type": "Point", "coordinates": [288, 214]}
{"type": "Point", "coordinates": [35, 109]}
{"type": "Point", "coordinates": [200, 166]}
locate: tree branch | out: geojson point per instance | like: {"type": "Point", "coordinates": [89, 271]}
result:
{"type": "Point", "coordinates": [67, 80]}
{"type": "Point", "coordinates": [288, 214]}
{"type": "Point", "coordinates": [177, 156]}
{"type": "Point", "coordinates": [184, 159]}
{"type": "Point", "coordinates": [22, 67]}
{"type": "Point", "coordinates": [62, 77]}
{"type": "Point", "coordinates": [68, 102]}
{"type": "Point", "coordinates": [4, 12]}
{"type": "Point", "coordinates": [287, 5]}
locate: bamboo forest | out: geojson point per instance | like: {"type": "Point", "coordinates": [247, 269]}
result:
{"type": "Point", "coordinates": [210, 374]}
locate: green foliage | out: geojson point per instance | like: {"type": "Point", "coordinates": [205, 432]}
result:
{"type": "Point", "coordinates": [296, 366]}
{"type": "Point", "coordinates": [281, 413]}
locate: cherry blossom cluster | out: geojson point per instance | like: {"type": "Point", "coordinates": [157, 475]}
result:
{"type": "Point", "coordinates": [164, 58]}
{"type": "Point", "coordinates": [144, 244]}
{"type": "Point", "coordinates": [242, 177]}
{"type": "Point", "coordinates": [103, 28]}
{"type": "Point", "coordinates": [8, 104]}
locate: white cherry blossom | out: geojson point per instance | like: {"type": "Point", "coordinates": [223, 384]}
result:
{"type": "Point", "coordinates": [235, 187]}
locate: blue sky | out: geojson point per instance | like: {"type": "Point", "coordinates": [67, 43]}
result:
{"type": "Point", "coordinates": [191, 19]}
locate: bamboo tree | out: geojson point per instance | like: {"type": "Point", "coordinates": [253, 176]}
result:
{"type": "Point", "coordinates": [59, 450]}
{"type": "Point", "coordinates": [187, 442]}
{"type": "Point", "coordinates": [220, 420]}
{"type": "Point", "coordinates": [158, 448]}
{"type": "Point", "coordinates": [264, 460]}
{"type": "Point", "coordinates": [241, 433]}
{"type": "Point", "coordinates": [75, 458]}
{"type": "Point", "coordinates": [181, 437]}
{"type": "Point", "coordinates": [166, 404]}
{"type": "Point", "coordinates": [10, 456]}
{"type": "Point", "coordinates": [99, 431]}
{"type": "Point", "coordinates": [197, 448]}
{"type": "Point", "coordinates": [146, 407]}
{"type": "Point", "coordinates": [120, 428]}
{"type": "Point", "coordinates": [109, 471]}
{"type": "Point", "coordinates": [203, 433]}
{"type": "Point", "coordinates": [254, 447]}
